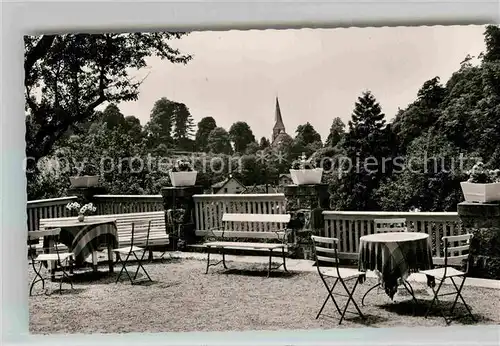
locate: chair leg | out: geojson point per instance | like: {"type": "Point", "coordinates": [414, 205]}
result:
{"type": "Point", "coordinates": [351, 298]}
{"type": "Point", "coordinates": [436, 300]}
{"type": "Point", "coordinates": [330, 290]}
{"type": "Point", "coordinates": [38, 277]}
{"type": "Point", "coordinates": [141, 266]}
{"type": "Point", "coordinates": [459, 294]}
{"type": "Point", "coordinates": [124, 268]}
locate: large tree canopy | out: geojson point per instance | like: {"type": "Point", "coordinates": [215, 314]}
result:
{"type": "Point", "coordinates": [68, 76]}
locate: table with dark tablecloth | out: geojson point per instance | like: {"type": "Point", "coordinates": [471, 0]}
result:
{"type": "Point", "coordinates": [394, 256]}
{"type": "Point", "coordinates": [84, 238]}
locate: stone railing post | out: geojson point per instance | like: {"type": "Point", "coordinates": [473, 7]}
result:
{"type": "Point", "coordinates": [483, 221]}
{"type": "Point", "coordinates": [306, 204]}
{"type": "Point", "coordinates": [179, 209]}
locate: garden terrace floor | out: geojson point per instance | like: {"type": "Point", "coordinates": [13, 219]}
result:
{"type": "Point", "coordinates": [182, 299]}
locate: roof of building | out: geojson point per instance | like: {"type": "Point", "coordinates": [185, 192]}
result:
{"type": "Point", "coordinates": [222, 183]}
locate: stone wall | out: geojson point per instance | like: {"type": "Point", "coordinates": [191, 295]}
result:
{"type": "Point", "coordinates": [483, 221]}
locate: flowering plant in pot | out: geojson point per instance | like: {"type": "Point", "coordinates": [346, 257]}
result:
{"type": "Point", "coordinates": [183, 174]}
{"type": "Point", "coordinates": [82, 211]}
{"type": "Point", "coordinates": [304, 172]}
{"type": "Point", "coordinates": [483, 185]}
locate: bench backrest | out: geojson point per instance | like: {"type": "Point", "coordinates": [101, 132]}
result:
{"type": "Point", "coordinates": [124, 222]}
{"type": "Point", "coordinates": [263, 226]}
{"type": "Point", "coordinates": [390, 225]}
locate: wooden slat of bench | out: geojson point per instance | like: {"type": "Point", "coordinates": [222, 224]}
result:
{"type": "Point", "coordinates": [244, 245]}
{"type": "Point", "coordinates": [273, 218]}
{"type": "Point", "coordinates": [242, 234]}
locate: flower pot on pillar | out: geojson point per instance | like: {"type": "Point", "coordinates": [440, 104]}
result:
{"type": "Point", "coordinates": [182, 174]}
{"type": "Point", "coordinates": [483, 185]}
{"type": "Point", "coordinates": [303, 172]}
{"type": "Point", "coordinates": [84, 181]}
{"type": "Point", "coordinates": [183, 178]}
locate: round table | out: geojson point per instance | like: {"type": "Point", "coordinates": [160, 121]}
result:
{"type": "Point", "coordinates": [395, 255]}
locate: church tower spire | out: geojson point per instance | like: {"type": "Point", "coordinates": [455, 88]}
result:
{"type": "Point", "coordinates": [278, 125]}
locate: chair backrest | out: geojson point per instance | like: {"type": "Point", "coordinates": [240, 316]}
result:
{"type": "Point", "coordinates": [51, 232]}
{"type": "Point", "coordinates": [390, 225]}
{"type": "Point", "coordinates": [140, 232]}
{"type": "Point", "coordinates": [325, 251]}
{"type": "Point", "coordinates": [457, 250]}
{"type": "Point", "coordinates": [54, 232]}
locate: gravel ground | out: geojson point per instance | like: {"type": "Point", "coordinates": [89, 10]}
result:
{"type": "Point", "coordinates": [182, 299]}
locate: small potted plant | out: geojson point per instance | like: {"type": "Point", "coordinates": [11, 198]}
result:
{"type": "Point", "coordinates": [82, 211]}
{"type": "Point", "coordinates": [304, 172]}
{"type": "Point", "coordinates": [183, 174]}
{"type": "Point", "coordinates": [89, 178]}
{"type": "Point", "coordinates": [483, 185]}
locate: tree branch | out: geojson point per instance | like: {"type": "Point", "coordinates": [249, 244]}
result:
{"type": "Point", "coordinates": [36, 53]}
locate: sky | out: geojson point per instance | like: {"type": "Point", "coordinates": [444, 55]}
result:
{"type": "Point", "coordinates": [317, 74]}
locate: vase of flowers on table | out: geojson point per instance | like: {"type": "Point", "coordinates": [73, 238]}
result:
{"type": "Point", "coordinates": [82, 210]}
{"type": "Point", "coordinates": [483, 185]}
{"type": "Point", "coordinates": [183, 174]}
{"type": "Point", "coordinates": [304, 172]}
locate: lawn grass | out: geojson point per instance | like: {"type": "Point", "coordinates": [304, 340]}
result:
{"type": "Point", "coordinates": [182, 299]}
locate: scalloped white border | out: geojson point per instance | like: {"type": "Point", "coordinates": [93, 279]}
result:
{"type": "Point", "coordinates": [91, 16]}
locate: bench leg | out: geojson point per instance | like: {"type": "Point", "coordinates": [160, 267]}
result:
{"type": "Point", "coordinates": [270, 261]}
{"type": "Point", "coordinates": [284, 259]}
{"type": "Point", "coordinates": [223, 261]}
{"type": "Point", "coordinates": [208, 259]}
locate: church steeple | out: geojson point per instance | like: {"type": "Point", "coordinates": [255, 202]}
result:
{"type": "Point", "coordinates": [278, 125]}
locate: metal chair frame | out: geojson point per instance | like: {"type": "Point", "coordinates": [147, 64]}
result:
{"type": "Point", "coordinates": [457, 260]}
{"type": "Point", "coordinates": [133, 252]}
{"type": "Point", "coordinates": [54, 234]}
{"type": "Point", "coordinates": [329, 254]}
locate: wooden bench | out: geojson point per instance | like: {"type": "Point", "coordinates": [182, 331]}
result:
{"type": "Point", "coordinates": [275, 228]}
{"type": "Point", "coordinates": [157, 236]}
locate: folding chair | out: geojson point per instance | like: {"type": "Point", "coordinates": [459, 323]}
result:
{"type": "Point", "coordinates": [50, 254]}
{"type": "Point", "coordinates": [453, 257]}
{"type": "Point", "coordinates": [133, 250]}
{"type": "Point", "coordinates": [386, 226]}
{"type": "Point", "coordinates": [327, 252]}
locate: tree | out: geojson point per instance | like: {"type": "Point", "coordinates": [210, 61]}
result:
{"type": "Point", "coordinates": [219, 141]}
{"type": "Point", "coordinates": [67, 76]}
{"type": "Point", "coordinates": [241, 135]}
{"type": "Point", "coordinates": [205, 126]}
{"type": "Point", "coordinates": [306, 134]}
{"type": "Point", "coordinates": [264, 143]}
{"type": "Point", "coordinates": [112, 116]}
{"type": "Point", "coordinates": [337, 131]}
{"type": "Point", "coordinates": [159, 127]}
{"type": "Point", "coordinates": [365, 149]}
{"type": "Point", "coordinates": [420, 115]}
{"type": "Point", "coordinates": [183, 127]}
